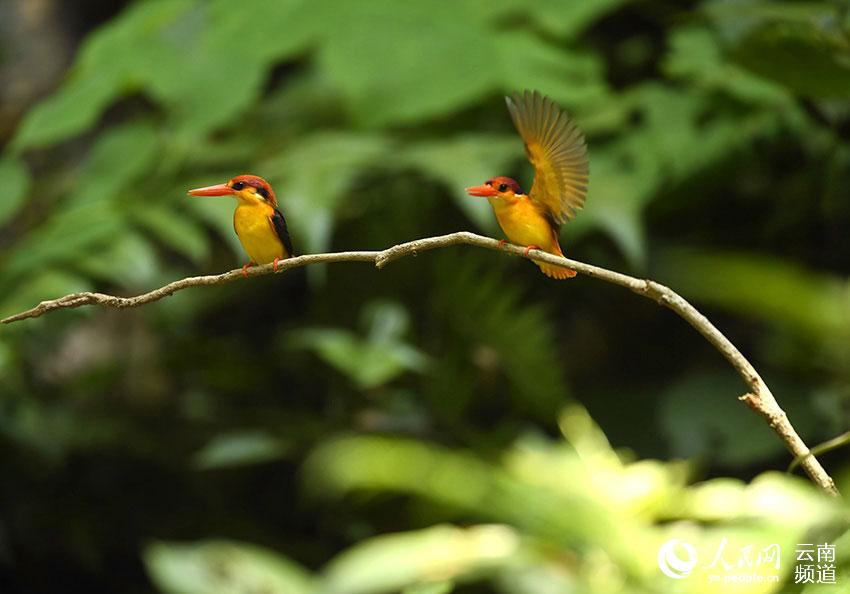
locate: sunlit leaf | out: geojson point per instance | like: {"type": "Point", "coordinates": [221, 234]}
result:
{"type": "Point", "coordinates": [440, 587]}
{"type": "Point", "coordinates": [223, 567]}
{"type": "Point", "coordinates": [462, 481]}
{"type": "Point", "coordinates": [389, 563]}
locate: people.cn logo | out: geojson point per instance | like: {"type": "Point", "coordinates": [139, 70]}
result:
{"type": "Point", "coordinates": [677, 559]}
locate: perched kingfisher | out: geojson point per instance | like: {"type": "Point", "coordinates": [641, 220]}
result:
{"type": "Point", "coordinates": [258, 222]}
{"type": "Point", "coordinates": [557, 150]}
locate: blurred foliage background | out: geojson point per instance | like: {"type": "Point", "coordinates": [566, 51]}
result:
{"type": "Point", "coordinates": [425, 428]}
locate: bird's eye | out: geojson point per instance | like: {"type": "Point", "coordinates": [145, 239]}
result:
{"type": "Point", "coordinates": [503, 187]}
{"type": "Point", "coordinates": [238, 186]}
{"type": "Point", "coordinates": [263, 192]}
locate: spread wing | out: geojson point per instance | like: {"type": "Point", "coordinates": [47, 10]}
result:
{"type": "Point", "coordinates": [556, 148]}
{"type": "Point", "coordinates": [279, 224]}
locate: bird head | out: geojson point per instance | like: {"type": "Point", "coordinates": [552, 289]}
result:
{"type": "Point", "coordinates": [497, 187]}
{"type": "Point", "coordinates": [245, 188]}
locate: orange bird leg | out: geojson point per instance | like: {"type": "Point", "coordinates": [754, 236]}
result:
{"type": "Point", "coordinates": [529, 248]}
{"type": "Point", "coordinates": [502, 243]}
{"type": "Point", "coordinates": [245, 269]}
{"type": "Point", "coordinates": [274, 264]}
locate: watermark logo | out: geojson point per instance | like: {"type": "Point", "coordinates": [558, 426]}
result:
{"type": "Point", "coordinates": [672, 564]}
{"type": "Point", "coordinates": [751, 565]}
{"type": "Point", "coordinates": [815, 567]}
{"type": "Point", "coordinates": [678, 559]}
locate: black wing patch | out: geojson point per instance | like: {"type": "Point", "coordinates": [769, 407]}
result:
{"type": "Point", "coordinates": [280, 228]}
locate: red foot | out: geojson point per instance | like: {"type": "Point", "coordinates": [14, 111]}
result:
{"type": "Point", "coordinates": [529, 248]}
{"type": "Point", "coordinates": [274, 264]}
{"type": "Point", "coordinates": [502, 243]}
{"type": "Point", "coordinates": [245, 269]}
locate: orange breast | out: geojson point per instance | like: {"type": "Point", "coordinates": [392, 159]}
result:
{"type": "Point", "coordinates": [524, 224]}
{"type": "Point", "coordinates": [256, 233]}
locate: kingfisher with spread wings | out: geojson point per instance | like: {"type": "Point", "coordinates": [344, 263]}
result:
{"type": "Point", "coordinates": [556, 148]}
{"type": "Point", "coordinates": [257, 220]}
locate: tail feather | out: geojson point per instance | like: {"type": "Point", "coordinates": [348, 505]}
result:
{"type": "Point", "coordinates": [552, 271]}
{"type": "Point", "coordinates": [558, 272]}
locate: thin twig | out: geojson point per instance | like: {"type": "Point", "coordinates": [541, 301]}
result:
{"type": "Point", "coordinates": [821, 448]}
{"type": "Point", "coordinates": [759, 397]}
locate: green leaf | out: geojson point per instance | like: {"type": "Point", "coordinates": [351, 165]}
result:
{"type": "Point", "coordinates": [371, 362]}
{"type": "Point", "coordinates": [129, 260]}
{"type": "Point", "coordinates": [740, 16]}
{"type": "Point", "coordinates": [368, 364]}
{"type": "Point", "coordinates": [186, 88]}
{"type": "Point", "coordinates": [804, 58]}
{"type": "Point", "coordinates": [618, 191]}
{"type": "Point", "coordinates": [702, 417]}
{"type": "Point", "coordinates": [426, 79]}
{"type": "Point", "coordinates": [461, 481]}
{"type": "Point", "coordinates": [239, 449]}
{"type": "Point", "coordinates": [107, 68]}
{"type": "Point", "coordinates": [66, 113]}
{"type": "Point", "coordinates": [423, 79]}
{"type": "Point", "coordinates": [178, 52]}
{"type": "Point", "coordinates": [440, 587]}
{"type": "Point", "coordinates": [267, 21]}
{"type": "Point", "coordinates": [567, 19]}
{"type": "Point", "coordinates": [392, 562]}
{"type": "Point", "coordinates": [174, 229]}
{"type": "Point", "coordinates": [16, 182]}
{"type": "Point", "coordinates": [463, 161]}
{"type": "Point", "coordinates": [318, 172]}
{"type": "Point", "coordinates": [486, 315]}
{"type": "Point", "coordinates": [94, 213]}
{"type": "Point", "coordinates": [768, 288]}
{"type": "Point", "coordinates": [696, 55]}
{"type": "Point", "coordinates": [223, 567]}
{"type": "Point", "coordinates": [121, 155]}
{"type": "Point", "coordinates": [63, 238]}
{"type": "Point", "coordinates": [526, 62]}
{"type": "Point", "coordinates": [45, 284]}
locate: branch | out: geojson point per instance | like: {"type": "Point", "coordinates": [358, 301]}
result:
{"type": "Point", "coordinates": [759, 397]}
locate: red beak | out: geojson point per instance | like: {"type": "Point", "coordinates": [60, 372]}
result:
{"type": "Point", "coordinates": [483, 190]}
{"type": "Point", "coordinates": [217, 190]}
